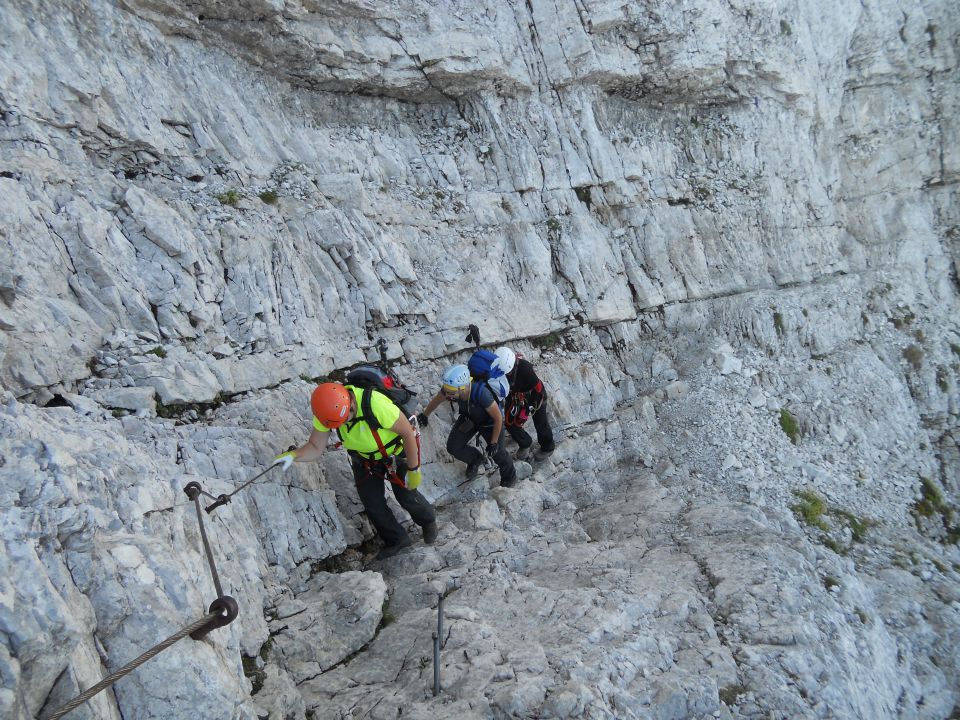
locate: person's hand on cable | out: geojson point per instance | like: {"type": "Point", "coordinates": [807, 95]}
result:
{"type": "Point", "coordinates": [422, 420]}
{"type": "Point", "coordinates": [285, 459]}
{"type": "Point", "coordinates": [492, 449]}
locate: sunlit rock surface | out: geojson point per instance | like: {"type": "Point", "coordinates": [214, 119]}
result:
{"type": "Point", "coordinates": [724, 233]}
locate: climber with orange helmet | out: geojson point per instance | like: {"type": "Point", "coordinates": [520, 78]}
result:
{"type": "Point", "coordinates": [382, 447]}
{"type": "Point", "coordinates": [527, 398]}
{"type": "Point", "coordinates": [480, 413]}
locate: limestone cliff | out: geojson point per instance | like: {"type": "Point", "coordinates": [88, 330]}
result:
{"type": "Point", "coordinates": [726, 234]}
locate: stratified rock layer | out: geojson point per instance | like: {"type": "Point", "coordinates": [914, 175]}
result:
{"type": "Point", "coordinates": [725, 234]}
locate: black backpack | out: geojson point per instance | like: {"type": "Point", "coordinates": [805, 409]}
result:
{"type": "Point", "coordinates": [369, 377]}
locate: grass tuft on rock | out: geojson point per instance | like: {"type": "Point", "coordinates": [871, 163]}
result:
{"type": "Point", "coordinates": [386, 617]}
{"type": "Point", "coordinates": [788, 424]}
{"type": "Point", "coordinates": [229, 197]}
{"type": "Point", "coordinates": [933, 505]}
{"type": "Point", "coordinates": [810, 509]}
{"type": "Point", "coordinates": [730, 693]}
{"type": "Point", "coordinates": [914, 355]}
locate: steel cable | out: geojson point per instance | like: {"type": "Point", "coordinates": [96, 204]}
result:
{"type": "Point", "coordinates": [193, 491]}
{"type": "Point", "coordinates": [134, 664]}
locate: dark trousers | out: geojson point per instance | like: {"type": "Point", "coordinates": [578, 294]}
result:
{"type": "Point", "coordinates": [541, 421]}
{"type": "Point", "coordinates": [370, 477]}
{"type": "Point", "coordinates": [458, 445]}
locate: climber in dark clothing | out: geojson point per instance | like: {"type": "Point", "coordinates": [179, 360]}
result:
{"type": "Point", "coordinates": [478, 413]}
{"type": "Point", "coordinates": [527, 397]}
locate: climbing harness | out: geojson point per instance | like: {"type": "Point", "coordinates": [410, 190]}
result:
{"type": "Point", "coordinates": [517, 411]}
{"type": "Point", "coordinates": [389, 460]}
{"type": "Point", "coordinates": [222, 611]}
{"type": "Point", "coordinates": [520, 409]}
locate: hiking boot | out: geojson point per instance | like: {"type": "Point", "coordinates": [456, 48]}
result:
{"type": "Point", "coordinates": [430, 533]}
{"type": "Point", "coordinates": [388, 551]}
{"type": "Point", "coordinates": [508, 483]}
{"type": "Point", "coordinates": [473, 468]}
{"type": "Point", "coordinates": [540, 455]}
{"type": "Point", "coordinates": [523, 453]}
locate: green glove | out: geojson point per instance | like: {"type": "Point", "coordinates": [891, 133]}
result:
{"type": "Point", "coordinates": [285, 459]}
{"type": "Point", "coordinates": [413, 478]}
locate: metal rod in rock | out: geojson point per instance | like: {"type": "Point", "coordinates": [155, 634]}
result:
{"type": "Point", "coordinates": [440, 618]}
{"type": "Point", "coordinates": [436, 664]}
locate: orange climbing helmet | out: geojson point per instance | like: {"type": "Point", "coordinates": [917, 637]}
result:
{"type": "Point", "coordinates": [331, 404]}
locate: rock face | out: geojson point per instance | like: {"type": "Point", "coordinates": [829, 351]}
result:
{"type": "Point", "coordinates": [724, 233]}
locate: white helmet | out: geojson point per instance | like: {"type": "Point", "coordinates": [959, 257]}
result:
{"type": "Point", "coordinates": [507, 359]}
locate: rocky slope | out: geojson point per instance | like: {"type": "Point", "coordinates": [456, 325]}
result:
{"type": "Point", "coordinates": [725, 233]}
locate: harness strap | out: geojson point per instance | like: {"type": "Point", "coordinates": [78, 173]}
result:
{"type": "Point", "coordinates": [388, 459]}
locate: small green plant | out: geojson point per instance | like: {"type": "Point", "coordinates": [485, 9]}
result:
{"type": "Point", "coordinates": [810, 508]}
{"type": "Point", "coordinates": [553, 224]}
{"type": "Point", "coordinates": [858, 525]}
{"type": "Point", "coordinates": [955, 349]}
{"type": "Point", "coordinates": [386, 617]}
{"type": "Point", "coordinates": [805, 312]}
{"type": "Point", "coordinates": [158, 351]}
{"type": "Point", "coordinates": [914, 355]}
{"type": "Point", "coordinates": [864, 618]}
{"type": "Point", "coordinates": [785, 28]}
{"type": "Point", "coordinates": [932, 504]}
{"type": "Point", "coordinates": [837, 547]}
{"type": "Point", "coordinates": [789, 425]}
{"type": "Point", "coordinates": [177, 411]}
{"type": "Point", "coordinates": [256, 676]}
{"type": "Point", "coordinates": [902, 321]}
{"type": "Point", "coordinates": [583, 195]}
{"type": "Point", "coordinates": [229, 197]}
{"type": "Point", "coordinates": [931, 500]}
{"type": "Point", "coordinates": [270, 197]}
{"type": "Point", "coordinates": [730, 693]}
{"type": "Point", "coordinates": [778, 323]}
{"type": "Point", "coordinates": [943, 379]}
{"type": "Point", "coordinates": [547, 342]}
{"type": "Point", "coordinates": [830, 582]}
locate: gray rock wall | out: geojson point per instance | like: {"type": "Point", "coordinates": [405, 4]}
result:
{"type": "Point", "coordinates": [697, 219]}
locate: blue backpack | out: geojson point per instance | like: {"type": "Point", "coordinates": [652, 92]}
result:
{"type": "Point", "coordinates": [483, 368]}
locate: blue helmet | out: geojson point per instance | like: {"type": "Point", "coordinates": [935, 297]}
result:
{"type": "Point", "coordinates": [456, 377]}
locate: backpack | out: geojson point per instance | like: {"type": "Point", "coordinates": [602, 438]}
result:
{"type": "Point", "coordinates": [483, 366]}
{"type": "Point", "coordinates": [370, 377]}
